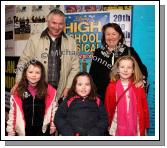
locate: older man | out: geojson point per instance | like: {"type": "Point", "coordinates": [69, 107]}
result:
{"type": "Point", "coordinates": [57, 52]}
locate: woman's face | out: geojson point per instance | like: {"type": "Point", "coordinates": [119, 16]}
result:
{"type": "Point", "coordinates": [112, 37]}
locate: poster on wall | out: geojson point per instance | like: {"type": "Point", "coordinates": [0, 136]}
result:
{"type": "Point", "coordinates": [40, 12]}
{"type": "Point", "coordinates": [90, 8]}
{"type": "Point", "coordinates": [19, 47]}
{"type": "Point", "coordinates": [116, 7]}
{"type": "Point", "coordinates": [9, 23]}
{"type": "Point", "coordinates": [31, 19]}
{"type": "Point", "coordinates": [86, 29]}
{"type": "Point", "coordinates": [9, 48]}
{"type": "Point", "coordinates": [82, 8]}
{"type": "Point", "coordinates": [21, 22]}
{"type": "Point", "coordinates": [10, 71]}
{"type": "Point", "coordinates": [72, 8]}
{"type": "Point", "coordinates": [9, 14]}
{"type": "Point", "coordinates": [39, 15]}
{"type": "Point", "coordinates": [10, 75]}
{"type": "Point", "coordinates": [60, 7]}
{"type": "Point", "coordinates": [122, 16]}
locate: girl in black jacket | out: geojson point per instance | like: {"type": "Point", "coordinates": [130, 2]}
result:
{"type": "Point", "coordinates": [82, 113]}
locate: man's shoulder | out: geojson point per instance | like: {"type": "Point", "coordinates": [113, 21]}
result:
{"type": "Point", "coordinates": [68, 37]}
{"type": "Point", "coordinates": [35, 36]}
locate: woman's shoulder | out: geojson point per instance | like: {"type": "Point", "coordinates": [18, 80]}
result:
{"type": "Point", "coordinates": [98, 50]}
{"type": "Point", "coordinates": [127, 50]}
{"type": "Point", "coordinates": [128, 47]}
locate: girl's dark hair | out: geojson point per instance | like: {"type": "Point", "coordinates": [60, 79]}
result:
{"type": "Point", "coordinates": [72, 91]}
{"type": "Point", "coordinates": [117, 28]}
{"type": "Point", "coordinates": [41, 86]}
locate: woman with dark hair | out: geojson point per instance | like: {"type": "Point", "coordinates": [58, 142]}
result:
{"type": "Point", "coordinates": [113, 42]}
{"type": "Point", "coordinates": [32, 105]}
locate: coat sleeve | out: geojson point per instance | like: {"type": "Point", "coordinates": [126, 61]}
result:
{"type": "Point", "coordinates": [60, 120]}
{"type": "Point", "coordinates": [75, 65]}
{"type": "Point", "coordinates": [145, 108]}
{"type": "Point", "coordinates": [94, 67]}
{"type": "Point", "coordinates": [27, 55]}
{"type": "Point", "coordinates": [54, 109]}
{"type": "Point", "coordinates": [12, 118]}
{"type": "Point", "coordinates": [110, 102]}
{"type": "Point", "coordinates": [102, 123]}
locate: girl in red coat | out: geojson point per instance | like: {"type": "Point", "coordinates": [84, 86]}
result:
{"type": "Point", "coordinates": [125, 103]}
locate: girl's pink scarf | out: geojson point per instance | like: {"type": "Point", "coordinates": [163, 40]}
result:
{"type": "Point", "coordinates": [126, 121]}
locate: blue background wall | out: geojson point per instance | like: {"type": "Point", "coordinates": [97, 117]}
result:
{"type": "Point", "coordinates": [143, 40]}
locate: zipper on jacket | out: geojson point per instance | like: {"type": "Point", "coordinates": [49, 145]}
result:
{"type": "Point", "coordinates": [33, 111]}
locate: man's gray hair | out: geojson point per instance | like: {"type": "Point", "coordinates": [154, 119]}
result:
{"type": "Point", "coordinates": [56, 11]}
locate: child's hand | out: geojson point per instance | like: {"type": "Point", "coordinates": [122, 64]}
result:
{"type": "Point", "coordinates": [65, 92]}
{"type": "Point", "coordinates": [141, 83]}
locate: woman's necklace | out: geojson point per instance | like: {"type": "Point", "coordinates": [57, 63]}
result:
{"type": "Point", "coordinates": [105, 53]}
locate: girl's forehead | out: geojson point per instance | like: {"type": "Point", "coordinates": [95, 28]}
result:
{"type": "Point", "coordinates": [82, 77]}
{"type": "Point", "coordinates": [33, 66]}
{"type": "Point", "coordinates": [126, 61]}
